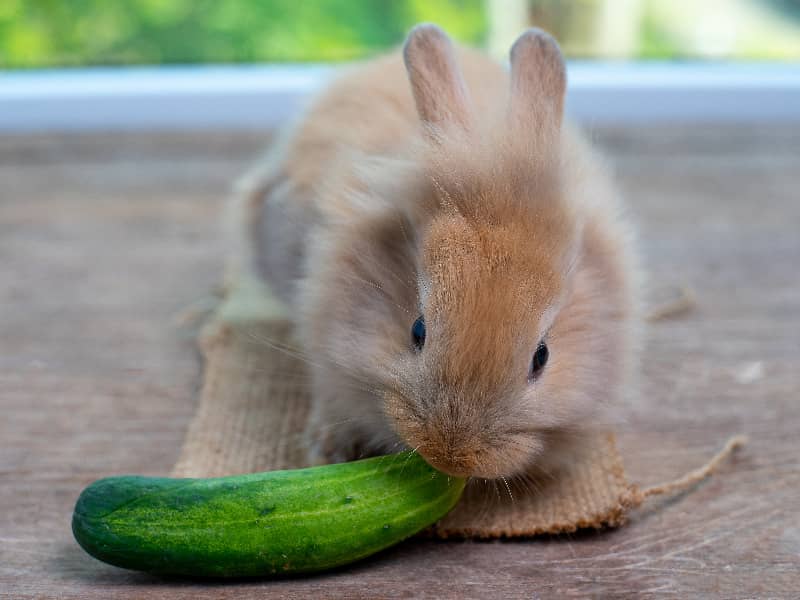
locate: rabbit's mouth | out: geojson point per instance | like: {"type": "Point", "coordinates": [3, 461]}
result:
{"type": "Point", "coordinates": [507, 458]}
{"type": "Point", "coordinates": [464, 448]}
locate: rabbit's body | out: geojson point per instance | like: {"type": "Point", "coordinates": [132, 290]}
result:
{"type": "Point", "coordinates": [368, 111]}
{"type": "Point", "coordinates": [467, 202]}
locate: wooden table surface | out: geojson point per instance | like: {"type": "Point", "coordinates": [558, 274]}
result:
{"type": "Point", "coordinates": [106, 239]}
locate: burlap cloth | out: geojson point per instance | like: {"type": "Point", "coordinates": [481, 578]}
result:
{"type": "Point", "coordinates": [254, 406]}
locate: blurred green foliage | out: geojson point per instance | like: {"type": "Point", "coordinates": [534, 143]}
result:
{"type": "Point", "coordinates": [55, 33]}
{"type": "Point", "coordinates": [59, 33]}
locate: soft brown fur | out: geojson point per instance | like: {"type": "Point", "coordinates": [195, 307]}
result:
{"type": "Point", "coordinates": [461, 197]}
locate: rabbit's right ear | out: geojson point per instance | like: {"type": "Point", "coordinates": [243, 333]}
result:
{"type": "Point", "coordinates": [439, 90]}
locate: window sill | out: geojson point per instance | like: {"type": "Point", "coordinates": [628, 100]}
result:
{"type": "Point", "coordinates": [264, 96]}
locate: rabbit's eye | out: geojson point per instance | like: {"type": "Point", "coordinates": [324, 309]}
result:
{"type": "Point", "coordinates": [539, 361]}
{"type": "Point", "coordinates": [418, 332]}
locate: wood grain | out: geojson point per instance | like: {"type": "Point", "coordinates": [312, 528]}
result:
{"type": "Point", "coordinates": [105, 239]}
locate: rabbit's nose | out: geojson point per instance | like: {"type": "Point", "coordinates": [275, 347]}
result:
{"type": "Point", "coordinates": [457, 463]}
{"type": "Point", "coordinates": [455, 451]}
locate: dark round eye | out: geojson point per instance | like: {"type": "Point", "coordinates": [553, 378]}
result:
{"type": "Point", "coordinates": [539, 360]}
{"type": "Point", "coordinates": [418, 332]}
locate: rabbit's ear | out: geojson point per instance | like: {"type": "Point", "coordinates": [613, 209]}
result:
{"type": "Point", "coordinates": [439, 90]}
{"type": "Point", "coordinates": [538, 83]}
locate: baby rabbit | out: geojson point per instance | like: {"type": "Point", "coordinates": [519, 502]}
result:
{"type": "Point", "coordinates": [460, 272]}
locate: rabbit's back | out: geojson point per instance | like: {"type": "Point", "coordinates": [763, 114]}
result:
{"type": "Point", "coordinates": [369, 109]}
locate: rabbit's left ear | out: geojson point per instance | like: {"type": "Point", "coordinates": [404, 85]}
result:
{"type": "Point", "coordinates": [538, 84]}
{"type": "Point", "coordinates": [436, 82]}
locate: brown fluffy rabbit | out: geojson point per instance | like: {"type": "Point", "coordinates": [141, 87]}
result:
{"type": "Point", "coordinates": [459, 270]}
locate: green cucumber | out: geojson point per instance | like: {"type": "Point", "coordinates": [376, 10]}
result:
{"type": "Point", "coordinates": [278, 522]}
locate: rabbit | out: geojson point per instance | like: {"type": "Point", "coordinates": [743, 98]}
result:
{"type": "Point", "coordinates": [462, 277]}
